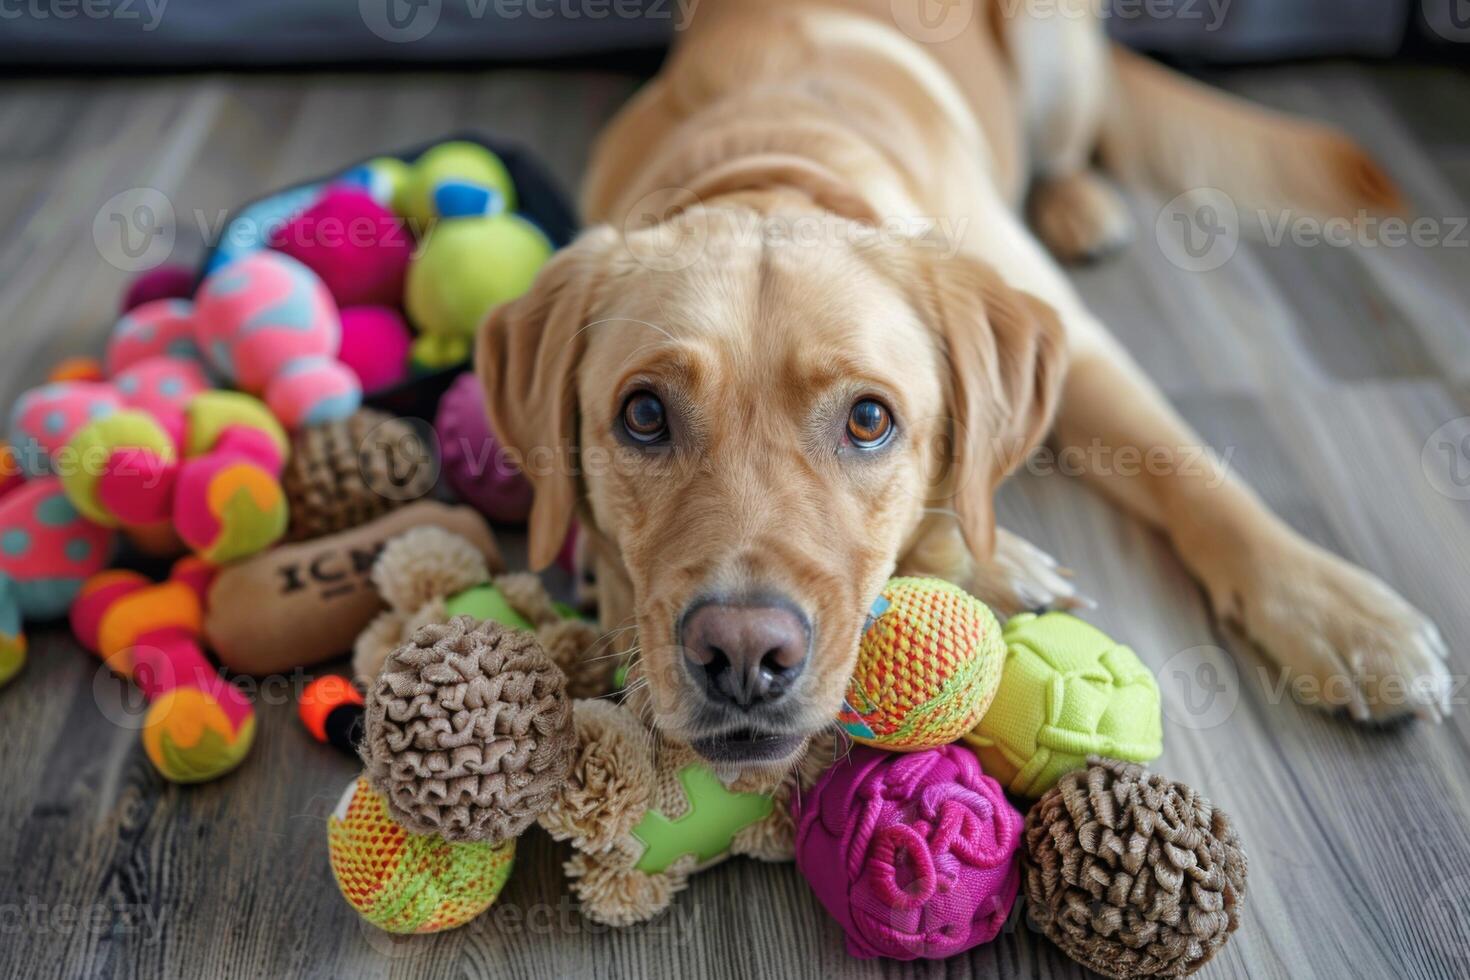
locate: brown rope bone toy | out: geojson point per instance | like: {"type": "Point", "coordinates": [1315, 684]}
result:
{"type": "Point", "coordinates": [641, 812]}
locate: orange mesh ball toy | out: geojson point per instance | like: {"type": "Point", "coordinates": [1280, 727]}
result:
{"type": "Point", "coordinates": [929, 663]}
{"type": "Point", "coordinates": [404, 882]}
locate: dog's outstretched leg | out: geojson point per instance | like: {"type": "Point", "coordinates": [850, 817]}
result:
{"type": "Point", "coordinates": [1359, 644]}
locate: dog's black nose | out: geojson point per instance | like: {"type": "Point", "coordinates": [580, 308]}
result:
{"type": "Point", "coordinates": [742, 654]}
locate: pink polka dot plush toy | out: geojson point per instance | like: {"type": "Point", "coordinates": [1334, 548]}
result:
{"type": "Point", "coordinates": [47, 551]}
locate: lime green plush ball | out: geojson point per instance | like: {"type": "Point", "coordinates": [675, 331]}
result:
{"type": "Point", "coordinates": [455, 160]}
{"type": "Point", "coordinates": [464, 269]}
{"type": "Point", "coordinates": [1067, 691]}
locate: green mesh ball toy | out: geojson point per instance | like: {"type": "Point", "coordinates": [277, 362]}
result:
{"type": "Point", "coordinates": [1068, 691]}
{"type": "Point", "coordinates": [404, 882]}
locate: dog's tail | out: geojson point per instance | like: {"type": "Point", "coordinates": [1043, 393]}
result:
{"type": "Point", "coordinates": [1172, 133]}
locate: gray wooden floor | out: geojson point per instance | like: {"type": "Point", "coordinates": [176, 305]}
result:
{"type": "Point", "coordinates": [1323, 373]}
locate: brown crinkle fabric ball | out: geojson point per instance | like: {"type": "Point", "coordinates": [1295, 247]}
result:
{"type": "Point", "coordinates": [345, 473]}
{"type": "Point", "coordinates": [468, 731]}
{"type": "Point", "coordinates": [1131, 874]}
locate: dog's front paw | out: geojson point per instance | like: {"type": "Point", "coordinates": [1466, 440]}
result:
{"type": "Point", "coordinates": [1020, 577]}
{"type": "Point", "coordinates": [1342, 637]}
{"type": "Point", "coordinates": [1080, 217]}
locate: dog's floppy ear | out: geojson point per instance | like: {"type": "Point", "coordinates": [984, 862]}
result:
{"type": "Point", "coordinates": [1006, 355]}
{"type": "Point", "coordinates": [527, 357]}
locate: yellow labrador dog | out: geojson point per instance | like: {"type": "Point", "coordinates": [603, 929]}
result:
{"type": "Point", "coordinates": [809, 332]}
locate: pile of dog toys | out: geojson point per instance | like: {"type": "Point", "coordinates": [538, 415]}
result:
{"type": "Point", "coordinates": [224, 415]}
{"type": "Point", "coordinates": [487, 710]}
{"type": "Point", "coordinates": [223, 429]}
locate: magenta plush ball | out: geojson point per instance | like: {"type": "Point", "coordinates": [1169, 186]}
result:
{"type": "Point", "coordinates": [357, 246]}
{"type": "Point", "coordinates": [164, 282]}
{"type": "Point", "coordinates": [158, 328]}
{"type": "Point", "coordinates": [259, 313]}
{"type": "Point", "coordinates": [473, 461]}
{"type": "Point", "coordinates": [375, 343]}
{"type": "Point", "coordinates": [44, 419]}
{"type": "Point", "coordinates": [913, 853]}
{"type": "Point", "coordinates": [313, 390]}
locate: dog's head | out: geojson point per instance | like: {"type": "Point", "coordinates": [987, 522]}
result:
{"type": "Point", "coordinates": [755, 431]}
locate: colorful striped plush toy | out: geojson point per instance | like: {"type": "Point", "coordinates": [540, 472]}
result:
{"type": "Point", "coordinates": [198, 725]}
{"type": "Point", "coordinates": [928, 665]}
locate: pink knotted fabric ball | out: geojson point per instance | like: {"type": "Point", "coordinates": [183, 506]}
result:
{"type": "Point", "coordinates": [913, 853]}
{"type": "Point", "coordinates": [473, 461]}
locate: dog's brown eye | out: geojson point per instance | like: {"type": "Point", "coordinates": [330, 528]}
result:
{"type": "Point", "coordinates": [643, 417]}
{"type": "Point", "coordinates": [869, 424]}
